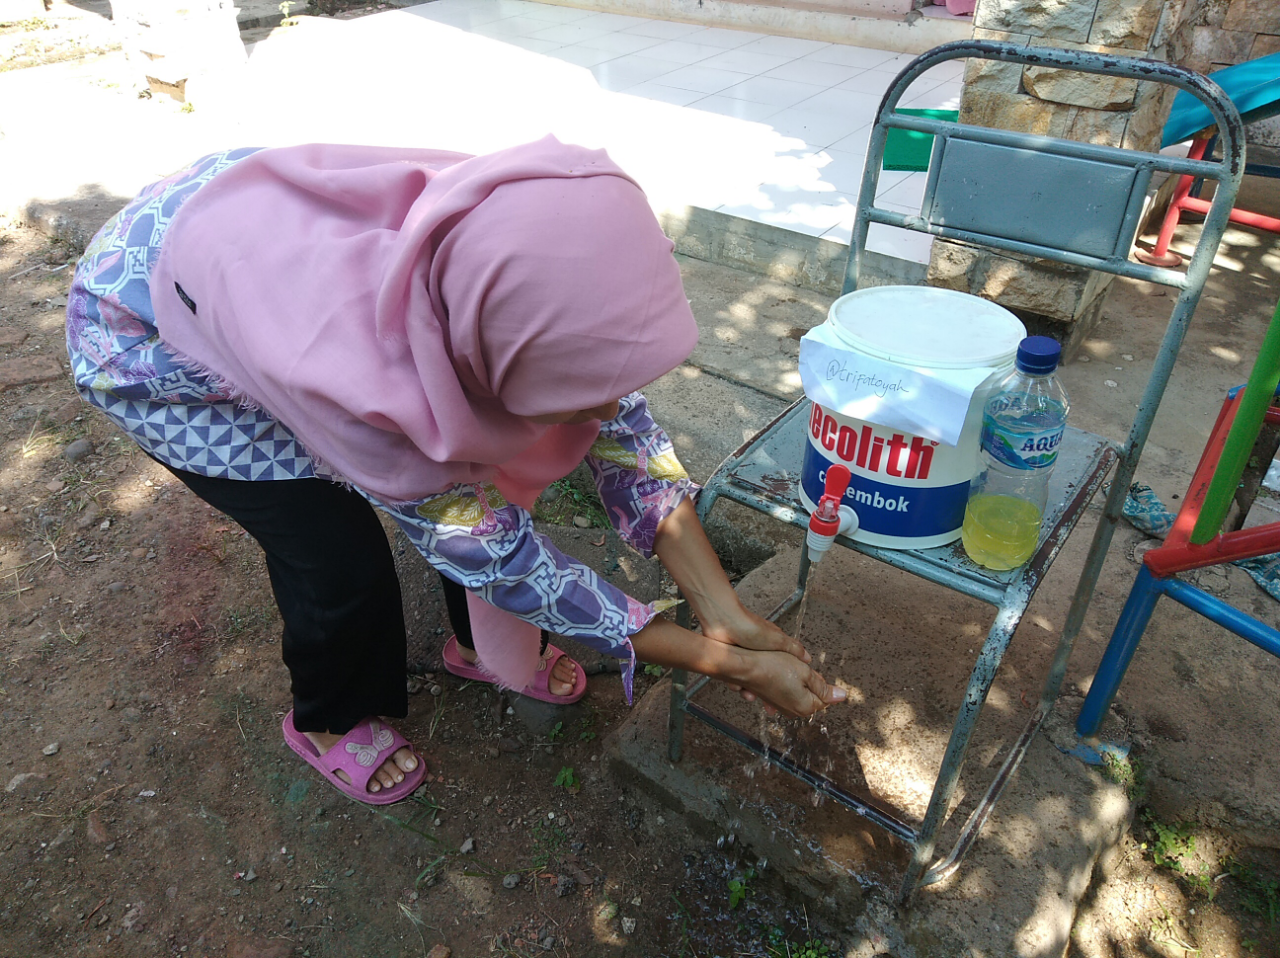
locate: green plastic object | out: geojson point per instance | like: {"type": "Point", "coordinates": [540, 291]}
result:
{"type": "Point", "coordinates": [910, 149]}
{"type": "Point", "coordinates": [1240, 440]}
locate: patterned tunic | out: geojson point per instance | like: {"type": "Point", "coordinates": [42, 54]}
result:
{"type": "Point", "coordinates": [470, 533]}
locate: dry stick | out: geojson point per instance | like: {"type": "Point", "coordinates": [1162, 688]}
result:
{"type": "Point", "coordinates": [242, 735]}
{"type": "Point", "coordinates": [24, 272]}
{"type": "Point", "coordinates": [18, 568]}
{"type": "Point", "coordinates": [94, 912]}
{"type": "Point", "coordinates": [18, 587]}
{"type": "Point", "coordinates": [106, 792]}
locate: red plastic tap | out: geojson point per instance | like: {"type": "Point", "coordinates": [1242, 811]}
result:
{"type": "Point", "coordinates": [825, 519]}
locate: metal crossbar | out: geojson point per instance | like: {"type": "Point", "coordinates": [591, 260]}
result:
{"type": "Point", "coordinates": [763, 473]}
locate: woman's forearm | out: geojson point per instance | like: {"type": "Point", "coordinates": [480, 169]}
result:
{"type": "Point", "coordinates": [776, 676]}
{"type": "Point", "coordinates": [682, 546]}
{"type": "Point", "coordinates": [662, 642]}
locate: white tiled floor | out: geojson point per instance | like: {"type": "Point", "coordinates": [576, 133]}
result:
{"type": "Point", "coordinates": [816, 100]}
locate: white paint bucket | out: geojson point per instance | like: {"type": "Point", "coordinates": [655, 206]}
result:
{"type": "Point", "coordinates": [909, 491]}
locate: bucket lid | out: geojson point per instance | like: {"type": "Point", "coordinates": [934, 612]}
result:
{"type": "Point", "coordinates": [924, 326]}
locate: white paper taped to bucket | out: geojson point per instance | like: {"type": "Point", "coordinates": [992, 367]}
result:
{"type": "Point", "coordinates": [926, 402]}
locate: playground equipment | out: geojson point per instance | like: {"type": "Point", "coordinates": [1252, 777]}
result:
{"type": "Point", "coordinates": [1254, 90]}
{"type": "Point", "coordinates": [1197, 540]}
{"type": "Point", "coordinates": [986, 188]}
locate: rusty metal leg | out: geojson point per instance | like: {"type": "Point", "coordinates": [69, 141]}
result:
{"type": "Point", "coordinates": [980, 679]}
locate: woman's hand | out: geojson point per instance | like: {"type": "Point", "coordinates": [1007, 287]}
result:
{"type": "Point", "coordinates": [683, 548]}
{"type": "Point", "coordinates": [786, 684]}
{"type": "Point", "coordinates": [747, 630]}
{"type": "Point", "coordinates": [777, 677]}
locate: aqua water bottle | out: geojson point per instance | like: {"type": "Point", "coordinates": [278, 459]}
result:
{"type": "Point", "coordinates": [1022, 426]}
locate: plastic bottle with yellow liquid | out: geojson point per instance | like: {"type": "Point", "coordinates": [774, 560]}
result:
{"type": "Point", "coordinates": [1022, 426]}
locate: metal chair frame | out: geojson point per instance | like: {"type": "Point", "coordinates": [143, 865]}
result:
{"type": "Point", "coordinates": [968, 199]}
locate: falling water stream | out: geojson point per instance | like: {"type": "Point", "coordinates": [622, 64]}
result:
{"type": "Point", "coordinates": [785, 734]}
{"type": "Point", "coordinates": [804, 604]}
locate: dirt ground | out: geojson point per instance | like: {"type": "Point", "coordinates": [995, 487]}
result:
{"type": "Point", "coordinates": [148, 794]}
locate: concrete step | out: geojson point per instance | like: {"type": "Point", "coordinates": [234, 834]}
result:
{"type": "Point", "coordinates": [905, 664]}
{"type": "Point", "coordinates": [788, 256]}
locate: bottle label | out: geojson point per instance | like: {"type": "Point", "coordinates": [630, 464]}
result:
{"type": "Point", "coordinates": [1020, 449]}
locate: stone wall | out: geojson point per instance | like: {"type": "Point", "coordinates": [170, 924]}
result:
{"type": "Point", "coordinates": [1222, 33]}
{"type": "Point", "coordinates": [1226, 32]}
{"type": "Point", "coordinates": [1059, 300]}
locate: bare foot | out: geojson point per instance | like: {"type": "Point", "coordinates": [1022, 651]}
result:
{"type": "Point", "coordinates": [562, 675]}
{"type": "Point", "coordinates": [391, 772]}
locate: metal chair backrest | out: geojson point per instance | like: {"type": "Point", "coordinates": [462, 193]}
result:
{"type": "Point", "coordinates": [1052, 198]}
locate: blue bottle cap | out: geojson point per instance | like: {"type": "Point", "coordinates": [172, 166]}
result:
{"type": "Point", "coordinates": [1038, 355]}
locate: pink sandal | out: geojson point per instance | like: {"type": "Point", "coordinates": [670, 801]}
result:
{"type": "Point", "coordinates": [539, 688]}
{"type": "Point", "coordinates": [359, 753]}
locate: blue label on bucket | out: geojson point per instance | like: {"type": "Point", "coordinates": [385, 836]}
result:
{"type": "Point", "coordinates": [889, 510]}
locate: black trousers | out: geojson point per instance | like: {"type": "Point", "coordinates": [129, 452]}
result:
{"type": "Point", "coordinates": [335, 584]}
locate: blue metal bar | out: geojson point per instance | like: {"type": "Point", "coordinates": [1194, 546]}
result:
{"type": "Point", "coordinates": [951, 129]}
{"type": "Point", "coordinates": [1227, 616]}
{"type": "Point", "coordinates": [982, 811]}
{"type": "Point", "coordinates": [1131, 625]}
{"type": "Point", "coordinates": [1124, 642]}
{"type": "Point", "coordinates": [980, 679]}
{"type": "Point", "coordinates": [1134, 68]}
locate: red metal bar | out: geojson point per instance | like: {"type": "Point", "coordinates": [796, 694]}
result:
{"type": "Point", "coordinates": [1160, 256]}
{"type": "Point", "coordinates": [1182, 200]}
{"type": "Point", "coordinates": [1178, 554]}
{"type": "Point", "coordinates": [1256, 220]}
{"type": "Point", "coordinates": [1180, 534]}
{"type": "Point", "coordinates": [1245, 544]}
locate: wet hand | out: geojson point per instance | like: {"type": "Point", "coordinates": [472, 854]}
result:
{"type": "Point", "coordinates": [785, 684]}
{"type": "Point", "coordinates": [747, 630]}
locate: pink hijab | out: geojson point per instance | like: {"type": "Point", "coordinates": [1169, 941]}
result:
{"type": "Point", "coordinates": [401, 311]}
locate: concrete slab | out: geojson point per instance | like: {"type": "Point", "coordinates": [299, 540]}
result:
{"type": "Point", "coordinates": [905, 664]}
{"type": "Point", "coordinates": [868, 24]}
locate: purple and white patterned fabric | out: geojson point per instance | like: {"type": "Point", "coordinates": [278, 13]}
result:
{"type": "Point", "coordinates": [468, 532]}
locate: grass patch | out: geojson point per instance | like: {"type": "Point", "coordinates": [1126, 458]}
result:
{"type": "Point", "coordinates": [548, 840]}
{"type": "Point", "coordinates": [574, 495]}
{"type": "Point", "coordinates": [1259, 895]}
{"type": "Point", "coordinates": [778, 945]}
{"type": "Point", "coordinates": [740, 888]}
{"type": "Point", "coordinates": [1126, 772]}
{"type": "Point", "coordinates": [237, 622]}
{"type": "Point", "coordinates": [1173, 848]}
{"type": "Point", "coordinates": [568, 780]}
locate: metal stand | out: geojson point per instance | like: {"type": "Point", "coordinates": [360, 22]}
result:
{"type": "Point", "coordinates": [985, 188]}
